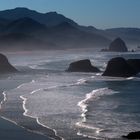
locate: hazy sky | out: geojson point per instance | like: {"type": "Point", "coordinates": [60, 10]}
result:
{"type": "Point", "coordinates": [99, 13]}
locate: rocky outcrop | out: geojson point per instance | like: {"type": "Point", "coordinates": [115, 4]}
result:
{"type": "Point", "coordinates": [135, 63]}
{"type": "Point", "coordinates": [118, 45]}
{"type": "Point", "coordinates": [5, 66]}
{"type": "Point", "coordinates": [82, 66]}
{"type": "Point", "coordinates": [133, 135]}
{"type": "Point", "coordinates": [119, 67]}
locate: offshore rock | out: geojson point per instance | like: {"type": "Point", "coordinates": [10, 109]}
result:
{"type": "Point", "coordinates": [82, 66]}
{"type": "Point", "coordinates": [118, 45]}
{"type": "Point", "coordinates": [133, 135]}
{"type": "Point", "coordinates": [118, 67]}
{"type": "Point", "coordinates": [5, 66]}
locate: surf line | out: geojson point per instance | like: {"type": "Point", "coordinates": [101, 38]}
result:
{"type": "Point", "coordinates": [25, 99]}
{"type": "Point", "coordinates": [90, 97]}
{"type": "Point", "coordinates": [5, 96]}
{"type": "Point", "coordinates": [4, 99]}
{"type": "Point", "coordinates": [25, 113]}
{"type": "Point", "coordinates": [33, 81]}
{"type": "Point", "coordinates": [34, 91]}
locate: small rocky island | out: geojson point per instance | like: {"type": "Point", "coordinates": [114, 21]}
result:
{"type": "Point", "coordinates": [118, 45]}
{"type": "Point", "coordinates": [119, 67]}
{"type": "Point", "coordinates": [5, 66]}
{"type": "Point", "coordinates": [82, 66]}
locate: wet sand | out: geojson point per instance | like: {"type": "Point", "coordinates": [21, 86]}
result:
{"type": "Point", "coordinates": [10, 131]}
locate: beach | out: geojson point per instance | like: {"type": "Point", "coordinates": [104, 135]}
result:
{"type": "Point", "coordinates": [10, 131]}
{"type": "Point", "coordinates": [44, 100]}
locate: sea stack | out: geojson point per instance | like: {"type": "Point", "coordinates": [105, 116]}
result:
{"type": "Point", "coordinates": [118, 45]}
{"type": "Point", "coordinates": [5, 66]}
{"type": "Point", "coordinates": [133, 135]}
{"type": "Point", "coordinates": [82, 66]}
{"type": "Point", "coordinates": [119, 67]}
{"type": "Point", "coordinates": [135, 63]}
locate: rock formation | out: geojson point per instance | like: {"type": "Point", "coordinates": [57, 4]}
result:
{"type": "Point", "coordinates": [82, 66]}
{"type": "Point", "coordinates": [118, 45]}
{"type": "Point", "coordinates": [5, 66]}
{"type": "Point", "coordinates": [119, 67]}
{"type": "Point", "coordinates": [135, 63]}
{"type": "Point", "coordinates": [133, 135]}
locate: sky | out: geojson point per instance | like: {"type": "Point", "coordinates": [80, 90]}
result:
{"type": "Point", "coordinates": [98, 13]}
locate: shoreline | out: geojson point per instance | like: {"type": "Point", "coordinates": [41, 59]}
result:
{"type": "Point", "coordinates": [29, 129]}
{"type": "Point", "coordinates": [52, 133]}
{"type": "Point", "coordinates": [9, 130]}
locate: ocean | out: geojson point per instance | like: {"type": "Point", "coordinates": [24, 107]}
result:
{"type": "Point", "coordinates": [45, 99]}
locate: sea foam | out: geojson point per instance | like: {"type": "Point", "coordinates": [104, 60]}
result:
{"type": "Point", "coordinates": [85, 103]}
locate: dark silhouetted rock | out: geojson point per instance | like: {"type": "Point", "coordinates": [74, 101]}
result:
{"type": "Point", "coordinates": [135, 63]}
{"type": "Point", "coordinates": [133, 135]}
{"type": "Point", "coordinates": [132, 50]}
{"type": "Point", "coordinates": [118, 45]}
{"type": "Point", "coordinates": [82, 66]}
{"type": "Point", "coordinates": [5, 66]}
{"type": "Point", "coordinates": [118, 67]}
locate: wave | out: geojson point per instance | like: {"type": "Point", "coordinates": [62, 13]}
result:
{"type": "Point", "coordinates": [86, 136]}
{"type": "Point", "coordinates": [18, 87]}
{"type": "Point", "coordinates": [137, 78]}
{"type": "Point", "coordinates": [34, 91]}
{"type": "Point", "coordinates": [33, 81]}
{"type": "Point", "coordinates": [23, 105]}
{"type": "Point", "coordinates": [81, 81]}
{"type": "Point", "coordinates": [94, 95]}
{"type": "Point", "coordinates": [98, 130]}
{"type": "Point", "coordinates": [85, 103]}
{"type": "Point", "coordinates": [4, 99]}
{"type": "Point", "coordinates": [98, 74]}
{"type": "Point", "coordinates": [25, 113]}
{"type": "Point", "coordinates": [108, 78]}
{"type": "Point", "coordinates": [33, 66]}
{"type": "Point", "coordinates": [130, 78]}
{"type": "Point", "coordinates": [37, 119]}
{"type": "Point", "coordinates": [24, 100]}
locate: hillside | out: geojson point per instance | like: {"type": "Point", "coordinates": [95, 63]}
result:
{"type": "Point", "coordinates": [43, 29]}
